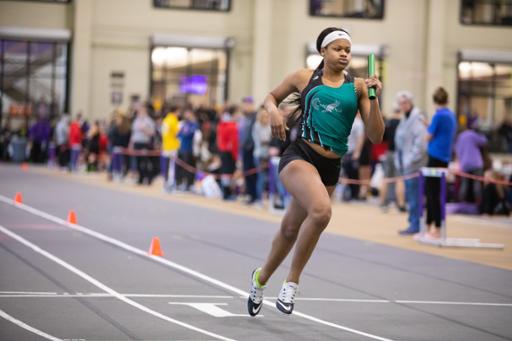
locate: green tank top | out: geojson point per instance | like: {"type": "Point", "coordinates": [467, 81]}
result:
{"type": "Point", "coordinates": [328, 113]}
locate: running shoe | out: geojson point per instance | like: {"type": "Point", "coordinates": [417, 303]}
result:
{"type": "Point", "coordinates": [286, 298]}
{"type": "Point", "coordinates": [255, 300]}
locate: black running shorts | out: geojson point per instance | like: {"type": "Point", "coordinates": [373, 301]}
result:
{"type": "Point", "coordinates": [329, 169]}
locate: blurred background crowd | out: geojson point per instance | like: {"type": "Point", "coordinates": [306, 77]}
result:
{"type": "Point", "coordinates": [141, 91]}
{"type": "Point", "coordinates": [228, 152]}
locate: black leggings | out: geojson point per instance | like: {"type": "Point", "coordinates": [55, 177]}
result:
{"type": "Point", "coordinates": [433, 192]}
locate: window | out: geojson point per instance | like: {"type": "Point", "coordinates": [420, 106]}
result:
{"type": "Point", "coordinates": [485, 92]}
{"type": "Point", "coordinates": [189, 75]}
{"type": "Point", "coordinates": [365, 9]}
{"type": "Point", "coordinates": [33, 78]}
{"type": "Point", "coordinates": [486, 12]}
{"type": "Point", "coordinates": [208, 5]}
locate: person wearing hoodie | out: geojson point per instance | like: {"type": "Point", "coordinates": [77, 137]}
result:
{"type": "Point", "coordinates": [410, 155]}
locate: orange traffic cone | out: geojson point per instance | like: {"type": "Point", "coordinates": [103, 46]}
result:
{"type": "Point", "coordinates": [155, 249]}
{"type": "Point", "coordinates": [72, 217]}
{"type": "Point", "coordinates": [24, 166]}
{"type": "Point", "coordinates": [18, 198]}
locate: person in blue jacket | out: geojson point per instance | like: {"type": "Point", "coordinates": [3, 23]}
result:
{"type": "Point", "coordinates": [440, 137]}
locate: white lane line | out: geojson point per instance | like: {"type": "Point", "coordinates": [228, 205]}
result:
{"type": "Point", "coordinates": [176, 266]}
{"type": "Point", "coordinates": [346, 300]}
{"type": "Point", "coordinates": [102, 295]}
{"type": "Point", "coordinates": [351, 300]}
{"type": "Point", "coordinates": [27, 327]}
{"type": "Point", "coordinates": [104, 287]}
{"type": "Point", "coordinates": [30, 294]}
{"type": "Point", "coordinates": [212, 309]}
{"type": "Point", "coordinates": [457, 303]}
{"type": "Point", "coordinates": [27, 293]}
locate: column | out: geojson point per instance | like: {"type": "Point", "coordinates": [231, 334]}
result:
{"type": "Point", "coordinates": [81, 58]}
{"type": "Point", "coordinates": [435, 51]}
{"type": "Point", "coordinates": [262, 29]}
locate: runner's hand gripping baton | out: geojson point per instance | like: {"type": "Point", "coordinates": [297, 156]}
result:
{"type": "Point", "coordinates": [371, 72]}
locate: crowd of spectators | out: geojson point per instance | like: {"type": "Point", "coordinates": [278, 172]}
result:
{"type": "Point", "coordinates": [228, 152]}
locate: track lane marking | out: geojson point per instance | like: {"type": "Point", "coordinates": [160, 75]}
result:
{"type": "Point", "coordinates": [35, 294]}
{"type": "Point", "coordinates": [106, 288]}
{"type": "Point", "coordinates": [12, 294]}
{"type": "Point", "coordinates": [178, 267]}
{"type": "Point", "coordinates": [27, 327]}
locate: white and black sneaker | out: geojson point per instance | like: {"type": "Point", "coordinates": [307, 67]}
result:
{"type": "Point", "coordinates": [286, 297]}
{"type": "Point", "coordinates": [255, 300]}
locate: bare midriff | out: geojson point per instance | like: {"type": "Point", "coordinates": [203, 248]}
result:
{"type": "Point", "coordinates": [322, 151]}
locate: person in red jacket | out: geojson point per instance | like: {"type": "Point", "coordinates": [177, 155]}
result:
{"type": "Point", "coordinates": [75, 142]}
{"type": "Point", "coordinates": [227, 144]}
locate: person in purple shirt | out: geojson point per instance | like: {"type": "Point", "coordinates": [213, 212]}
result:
{"type": "Point", "coordinates": [441, 134]}
{"type": "Point", "coordinates": [40, 134]}
{"type": "Point", "coordinates": [467, 150]}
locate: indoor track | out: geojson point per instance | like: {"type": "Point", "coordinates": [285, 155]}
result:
{"type": "Point", "coordinates": [95, 280]}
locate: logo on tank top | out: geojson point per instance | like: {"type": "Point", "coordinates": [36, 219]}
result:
{"type": "Point", "coordinates": [319, 106]}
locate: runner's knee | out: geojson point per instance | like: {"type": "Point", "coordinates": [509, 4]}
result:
{"type": "Point", "coordinates": [320, 214]}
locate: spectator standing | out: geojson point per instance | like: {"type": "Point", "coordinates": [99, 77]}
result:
{"type": "Point", "coordinates": [227, 145]}
{"type": "Point", "coordinates": [246, 125]}
{"type": "Point", "coordinates": [410, 155]}
{"type": "Point", "coordinates": [365, 169]}
{"type": "Point", "coordinates": [143, 130]}
{"type": "Point", "coordinates": [119, 140]}
{"type": "Point", "coordinates": [93, 147]}
{"type": "Point", "coordinates": [262, 135]}
{"type": "Point", "coordinates": [40, 134]}
{"type": "Point", "coordinates": [84, 128]}
{"type": "Point", "coordinates": [185, 174]}
{"type": "Point", "coordinates": [275, 150]}
{"type": "Point", "coordinates": [75, 142]}
{"type": "Point", "coordinates": [350, 161]}
{"type": "Point", "coordinates": [62, 141]}
{"type": "Point", "coordinates": [170, 146]}
{"type": "Point", "coordinates": [388, 165]}
{"type": "Point", "coordinates": [469, 155]}
{"type": "Point", "coordinates": [440, 137]}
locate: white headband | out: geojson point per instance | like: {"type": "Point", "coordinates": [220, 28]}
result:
{"type": "Point", "coordinates": [335, 35]}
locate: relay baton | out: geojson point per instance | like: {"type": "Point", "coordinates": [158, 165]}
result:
{"type": "Point", "coordinates": [371, 72]}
